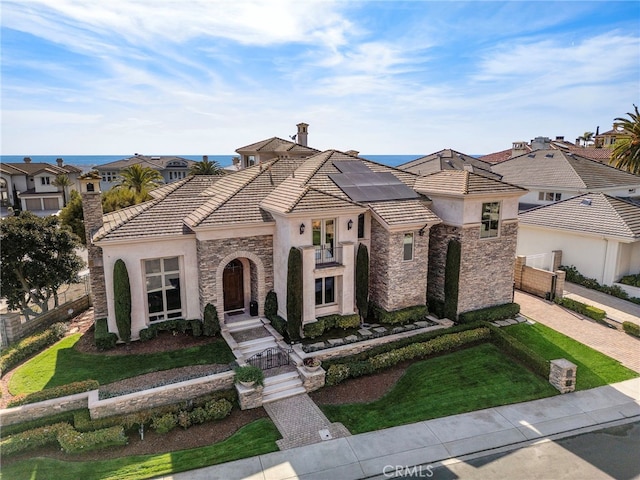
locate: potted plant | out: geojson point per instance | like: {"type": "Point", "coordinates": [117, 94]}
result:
{"type": "Point", "coordinates": [248, 375]}
{"type": "Point", "coordinates": [311, 364]}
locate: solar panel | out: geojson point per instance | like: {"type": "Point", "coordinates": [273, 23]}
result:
{"type": "Point", "coordinates": [355, 166]}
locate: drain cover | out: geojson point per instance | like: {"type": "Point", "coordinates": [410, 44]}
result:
{"type": "Point", "coordinates": [324, 434]}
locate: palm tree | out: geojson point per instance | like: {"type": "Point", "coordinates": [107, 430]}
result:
{"type": "Point", "coordinates": [626, 153]}
{"type": "Point", "coordinates": [205, 167]}
{"type": "Point", "coordinates": [587, 138]}
{"type": "Point", "coordinates": [63, 182]}
{"type": "Point", "coordinates": [139, 179]}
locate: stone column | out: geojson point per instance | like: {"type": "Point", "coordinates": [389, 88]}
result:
{"type": "Point", "coordinates": [562, 375]}
{"type": "Point", "coordinates": [557, 260]}
{"type": "Point", "coordinates": [560, 279]}
{"type": "Point", "coordinates": [92, 212]}
{"type": "Point", "coordinates": [521, 261]}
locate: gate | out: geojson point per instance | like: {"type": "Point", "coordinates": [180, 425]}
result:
{"type": "Point", "coordinates": [270, 358]}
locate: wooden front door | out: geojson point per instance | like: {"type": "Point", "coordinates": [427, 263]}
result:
{"type": "Point", "coordinates": [233, 286]}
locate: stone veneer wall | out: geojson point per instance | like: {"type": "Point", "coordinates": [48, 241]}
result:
{"type": "Point", "coordinates": [32, 411]}
{"type": "Point", "coordinates": [393, 282]}
{"type": "Point", "coordinates": [92, 212]}
{"type": "Point", "coordinates": [439, 237]}
{"type": "Point", "coordinates": [212, 252]}
{"type": "Point", "coordinates": [486, 268]}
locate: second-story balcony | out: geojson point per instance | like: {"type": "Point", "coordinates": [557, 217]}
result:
{"type": "Point", "coordinates": [328, 256]}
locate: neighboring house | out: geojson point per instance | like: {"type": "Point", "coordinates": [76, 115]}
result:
{"type": "Point", "coordinates": [170, 167]}
{"type": "Point", "coordinates": [597, 233]}
{"type": "Point", "coordinates": [607, 140]}
{"type": "Point", "coordinates": [30, 186]}
{"type": "Point", "coordinates": [552, 175]}
{"type": "Point", "coordinates": [448, 160]}
{"type": "Point", "coordinates": [225, 240]}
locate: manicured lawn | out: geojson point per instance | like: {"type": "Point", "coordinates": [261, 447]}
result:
{"type": "Point", "coordinates": [467, 380]}
{"type": "Point", "coordinates": [256, 438]}
{"type": "Point", "coordinates": [594, 368]}
{"type": "Point", "coordinates": [62, 364]}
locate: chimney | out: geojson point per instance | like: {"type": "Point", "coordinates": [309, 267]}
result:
{"type": "Point", "coordinates": [540, 143]}
{"type": "Point", "coordinates": [92, 212]}
{"type": "Point", "coordinates": [559, 138]}
{"type": "Point", "coordinates": [205, 158]}
{"type": "Point", "coordinates": [27, 159]}
{"type": "Point", "coordinates": [518, 148]}
{"type": "Point", "coordinates": [59, 161]}
{"type": "Point", "coordinates": [302, 133]}
{"type": "Point", "coordinates": [355, 153]}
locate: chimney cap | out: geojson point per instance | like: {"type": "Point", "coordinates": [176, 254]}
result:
{"type": "Point", "coordinates": [27, 159]}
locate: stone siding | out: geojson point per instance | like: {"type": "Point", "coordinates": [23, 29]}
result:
{"type": "Point", "coordinates": [562, 375]}
{"type": "Point", "coordinates": [32, 411]}
{"type": "Point", "coordinates": [249, 397]}
{"type": "Point", "coordinates": [211, 253]}
{"type": "Point", "coordinates": [92, 210]}
{"type": "Point", "coordinates": [486, 268]}
{"type": "Point", "coordinates": [393, 282]}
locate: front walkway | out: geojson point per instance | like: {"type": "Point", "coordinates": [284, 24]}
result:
{"type": "Point", "coordinates": [617, 309]}
{"type": "Point", "coordinates": [612, 342]}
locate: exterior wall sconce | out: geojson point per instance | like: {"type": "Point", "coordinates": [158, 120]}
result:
{"type": "Point", "coordinates": [301, 228]}
{"type": "Point", "coordinates": [421, 232]}
{"type": "Point", "coordinates": [349, 224]}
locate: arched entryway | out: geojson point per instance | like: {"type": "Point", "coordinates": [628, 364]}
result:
{"type": "Point", "coordinates": [233, 286]}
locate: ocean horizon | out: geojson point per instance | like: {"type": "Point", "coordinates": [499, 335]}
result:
{"type": "Point", "coordinates": [86, 162]}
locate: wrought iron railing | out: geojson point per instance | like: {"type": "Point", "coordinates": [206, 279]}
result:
{"type": "Point", "coordinates": [326, 256]}
{"type": "Point", "coordinates": [270, 358]}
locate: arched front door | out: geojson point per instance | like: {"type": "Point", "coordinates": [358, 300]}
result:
{"type": "Point", "coordinates": [233, 285]}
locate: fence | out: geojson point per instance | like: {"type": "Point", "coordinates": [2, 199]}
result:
{"type": "Point", "coordinates": [547, 284]}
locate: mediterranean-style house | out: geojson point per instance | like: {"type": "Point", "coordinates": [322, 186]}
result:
{"type": "Point", "coordinates": [448, 159]}
{"type": "Point", "coordinates": [170, 167]}
{"type": "Point", "coordinates": [30, 186]}
{"type": "Point", "coordinates": [225, 240]}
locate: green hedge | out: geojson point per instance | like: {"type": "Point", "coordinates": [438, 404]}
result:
{"type": "Point", "coordinates": [33, 344]}
{"type": "Point", "coordinates": [271, 305]}
{"type": "Point", "coordinates": [452, 279]}
{"type": "Point", "coordinates": [194, 327]}
{"type": "Point", "coordinates": [402, 316]}
{"type": "Point", "coordinates": [362, 281]}
{"type": "Point", "coordinates": [448, 342]}
{"type": "Point", "coordinates": [436, 307]}
{"type": "Point", "coordinates": [520, 351]}
{"type": "Point", "coordinates": [590, 311]}
{"type": "Point", "coordinates": [490, 314]}
{"type": "Point", "coordinates": [211, 322]}
{"type": "Point", "coordinates": [103, 339]}
{"type": "Point", "coordinates": [32, 439]}
{"type": "Point", "coordinates": [213, 410]}
{"type": "Point", "coordinates": [632, 280]}
{"type": "Point", "coordinates": [122, 300]}
{"type": "Point", "coordinates": [63, 417]}
{"type": "Point", "coordinates": [574, 276]}
{"type": "Point", "coordinates": [294, 294]}
{"type": "Point", "coordinates": [73, 441]}
{"type": "Point", "coordinates": [280, 326]}
{"type": "Point", "coordinates": [330, 322]}
{"type": "Point", "coordinates": [55, 392]}
{"type": "Point", "coordinates": [631, 328]}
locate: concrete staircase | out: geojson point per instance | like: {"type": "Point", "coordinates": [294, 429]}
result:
{"type": "Point", "coordinates": [282, 386]}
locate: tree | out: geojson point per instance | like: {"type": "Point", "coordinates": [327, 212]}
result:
{"type": "Point", "coordinates": [118, 198]}
{"type": "Point", "coordinates": [294, 294]}
{"type": "Point", "coordinates": [587, 138]}
{"type": "Point", "coordinates": [362, 281]}
{"type": "Point", "coordinates": [205, 167]}
{"type": "Point", "coordinates": [63, 182]}
{"type": "Point", "coordinates": [72, 216]}
{"type": "Point", "coordinates": [37, 258]}
{"type": "Point", "coordinates": [452, 279]}
{"type": "Point", "coordinates": [626, 153]}
{"type": "Point", "coordinates": [139, 179]}
{"type": "Point", "coordinates": [122, 300]}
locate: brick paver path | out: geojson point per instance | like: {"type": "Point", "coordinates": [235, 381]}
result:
{"type": "Point", "coordinates": [612, 342]}
{"type": "Point", "coordinates": [301, 422]}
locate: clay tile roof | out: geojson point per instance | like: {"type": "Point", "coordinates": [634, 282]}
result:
{"type": "Point", "coordinates": [448, 160]}
{"type": "Point", "coordinates": [404, 212]}
{"type": "Point", "coordinates": [159, 162]}
{"type": "Point", "coordinates": [497, 157]}
{"type": "Point", "coordinates": [555, 168]}
{"type": "Point", "coordinates": [594, 213]}
{"type": "Point", "coordinates": [277, 145]}
{"type": "Point", "coordinates": [462, 182]}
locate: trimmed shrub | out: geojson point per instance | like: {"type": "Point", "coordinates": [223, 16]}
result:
{"type": "Point", "coordinates": [73, 441]}
{"type": "Point", "coordinates": [490, 314]}
{"type": "Point", "coordinates": [590, 311]}
{"type": "Point", "coordinates": [331, 322]}
{"type": "Point", "coordinates": [402, 316]}
{"type": "Point", "coordinates": [315, 329]}
{"type": "Point", "coordinates": [249, 373]}
{"type": "Point", "coordinates": [164, 423]}
{"type": "Point", "coordinates": [32, 439]}
{"type": "Point", "coordinates": [211, 323]}
{"type": "Point", "coordinates": [513, 347]}
{"type": "Point", "coordinates": [63, 417]}
{"type": "Point", "coordinates": [280, 326]}
{"type": "Point", "coordinates": [574, 276]}
{"type": "Point", "coordinates": [452, 279]}
{"type": "Point", "coordinates": [632, 280]}
{"type": "Point", "coordinates": [436, 307]}
{"type": "Point", "coordinates": [196, 327]}
{"type": "Point", "coordinates": [30, 346]}
{"type": "Point", "coordinates": [631, 328]}
{"type": "Point", "coordinates": [218, 409]}
{"type": "Point", "coordinates": [104, 339]}
{"type": "Point", "coordinates": [271, 305]}
{"type": "Point", "coordinates": [294, 294]}
{"type": "Point", "coordinates": [122, 300]}
{"type": "Point", "coordinates": [198, 415]}
{"type": "Point", "coordinates": [362, 281]}
{"type": "Point", "coordinates": [55, 392]}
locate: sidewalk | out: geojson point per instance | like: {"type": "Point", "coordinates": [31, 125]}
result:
{"type": "Point", "coordinates": [425, 443]}
{"type": "Point", "coordinates": [617, 309]}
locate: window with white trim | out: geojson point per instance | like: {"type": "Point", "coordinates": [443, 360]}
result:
{"type": "Point", "coordinates": [325, 290]}
{"type": "Point", "coordinates": [45, 180]}
{"type": "Point", "coordinates": [407, 247]}
{"type": "Point", "coordinates": [549, 196]}
{"type": "Point", "coordinates": [490, 222]}
{"type": "Point", "coordinates": [164, 299]}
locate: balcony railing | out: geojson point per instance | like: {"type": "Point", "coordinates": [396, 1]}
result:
{"type": "Point", "coordinates": [328, 256]}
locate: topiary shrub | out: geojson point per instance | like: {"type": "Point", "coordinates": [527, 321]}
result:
{"type": "Point", "coordinates": [631, 328]}
{"type": "Point", "coordinates": [362, 281]}
{"type": "Point", "coordinates": [103, 338]}
{"type": "Point", "coordinates": [490, 314]}
{"type": "Point", "coordinates": [122, 300]}
{"type": "Point", "coordinates": [294, 294]}
{"type": "Point", "coordinates": [315, 329]}
{"type": "Point", "coordinates": [398, 317]}
{"type": "Point", "coordinates": [452, 279]}
{"type": "Point", "coordinates": [211, 324]}
{"type": "Point", "coordinates": [271, 305]}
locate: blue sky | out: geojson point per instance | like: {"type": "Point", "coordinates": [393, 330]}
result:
{"type": "Point", "coordinates": [206, 77]}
